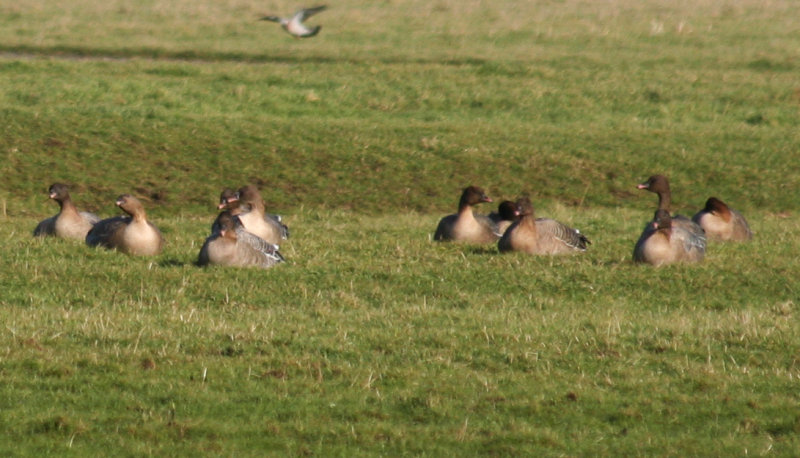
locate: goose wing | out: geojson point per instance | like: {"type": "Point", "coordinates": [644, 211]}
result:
{"type": "Point", "coordinates": [306, 13]}
{"type": "Point", "coordinates": [267, 253]}
{"type": "Point", "coordinates": [103, 231]}
{"type": "Point", "coordinates": [563, 233]}
{"type": "Point", "coordinates": [45, 227]}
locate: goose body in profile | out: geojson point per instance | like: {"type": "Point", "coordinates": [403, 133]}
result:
{"type": "Point", "coordinates": [234, 246]}
{"type": "Point", "coordinates": [294, 25]}
{"type": "Point", "coordinates": [722, 222]}
{"type": "Point", "coordinates": [132, 234]}
{"type": "Point", "coordinates": [664, 243]}
{"type": "Point", "coordinates": [540, 236]}
{"type": "Point", "coordinates": [68, 223]}
{"type": "Point", "coordinates": [659, 184]}
{"type": "Point", "coordinates": [466, 226]}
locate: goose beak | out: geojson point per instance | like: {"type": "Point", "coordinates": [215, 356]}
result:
{"type": "Point", "coordinates": [52, 195]}
{"type": "Point", "coordinates": [642, 186]}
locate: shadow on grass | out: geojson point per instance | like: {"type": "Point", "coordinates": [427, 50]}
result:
{"type": "Point", "coordinates": [89, 53]}
{"type": "Point", "coordinates": [483, 250]}
{"type": "Point", "coordinates": [174, 262]}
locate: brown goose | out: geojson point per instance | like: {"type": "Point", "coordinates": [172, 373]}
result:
{"type": "Point", "coordinates": [659, 184]}
{"type": "Point", "coordinates": [664, 243]}
{"type": "Point", "coordinates": [540, 235]}
{"type": "Point", "coordinates": [129, 234]}
{"type": "Point", "coordinates": [722, 222]}
{"type": "Point", "coordinates": [505, 215]}
{"type": "Point", "coordinates": [466, 226]}
{"type": "Point", "coordinates": [256, 220]}
{"type": "Point", "coordinates": [68, 223]}
{"type": "Point", "coordinates": [232, 245]}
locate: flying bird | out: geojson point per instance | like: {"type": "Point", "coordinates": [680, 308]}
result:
{"type": "Point", "coordinates": [294, 23]}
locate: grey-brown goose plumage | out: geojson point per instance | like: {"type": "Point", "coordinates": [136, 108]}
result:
{"type": "Point", "coordinates": [663, 243]}
{"type": "Point", "coordinates": [132, 234]}
{"type": "Point", "coordinates": [256, 220]}
{"type": "Point", "coordinates": [659, 184]}
{"type": "Point", "coordinates": [466, 226]}
{"type": "Point", "coordinates": [68, 223]}
{"type": "Point", "coordinates": [722, 222]}
{"type": "Point", "coordinates": [540, 235]}
{"type": "Point", "coordinates": [234, 246]}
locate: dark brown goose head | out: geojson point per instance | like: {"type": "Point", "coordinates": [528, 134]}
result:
{"type": "Point", "coordinates": [662, 220]}
{"type": "Point", "coordinates": [525, 207]}
{"type": "Point", "coordinates": [228, 224]}
{"type": "Point", "coordinates": [718, 208]}
{"type": "Point", "coordinates": [130, 205]}
{"type": "Point", "coordinates": [227, 198]}
{"type": "Point", "coordinates": [249, 196]}
{"type": "Point", "coordinates": [472, 195]}
{"type": "Point", "coordinates": [658, 184]}
{"type": "Point", "coordinates": [508, 211]}
{"type": "Point", "coordinates": [59, 192]}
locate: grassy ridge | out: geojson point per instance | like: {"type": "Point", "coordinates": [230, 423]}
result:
{"type": "Point", "coordinates": [583, 112]}
{"type": "Point", "coordinates": [371, 339]}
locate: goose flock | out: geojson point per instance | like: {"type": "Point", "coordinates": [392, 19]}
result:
{"type": "Point", "coordinates": [245, 235]}
{"type": "Point", "coordinates": [667, 239]}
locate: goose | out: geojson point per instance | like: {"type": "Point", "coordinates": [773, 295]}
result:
{"type": "Point", "coordinates": [68, 223]}
{"type": "Point", "coordinates": [228, 202]}
{"type": "Point", "coordinates": [256, 220]}
{"type": "Point", "coordinates": [232, 245]}
{"type": "Point", "coordinates": [505, 215]}
{"type": "Point", "coordinates": [659, 184]}
{"type": "Point", "coordinates": [294, 23]}
{"type": "Point", "coordinates": [663, 243]}
{"type": "Point", "coordinates": [722, 222]}
{"type": "Point", "coordinates": [131, 234]}
{"type": "Point", "coordinates": [540, 235]}
{"type": "Point", "coordinates": [466, 226]}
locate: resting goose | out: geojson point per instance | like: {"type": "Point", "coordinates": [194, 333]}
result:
{"type": "Point", "coordinates": [294, 23]}
{"type": "Point", "coordinates": [256, 221]}
{"type": "Point", "coordinates": [465, 226]}
{"type": "Point", "coordinates": [232, 245]}
{"type": "Point", "coordinates": [722, 222]}
{"type": "Point", "coordinates": [129, 234]}
{"type": "Point", "coordinates": [505, 215]}
{"type": "Point", "coordinates": [659, 184]}
{"type": "Point", "coordinates": [68, 223]}
{"type": "Point", "coordinates": [664, 243]}
{"type": "Point", "coordinates": [540, 235]}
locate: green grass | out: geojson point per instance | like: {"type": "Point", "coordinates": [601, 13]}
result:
{"type": "Point", "coordinates": [372, 339]}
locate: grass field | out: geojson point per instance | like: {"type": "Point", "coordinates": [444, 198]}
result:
{"type": "Point", "coordinates": [371, 339]}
